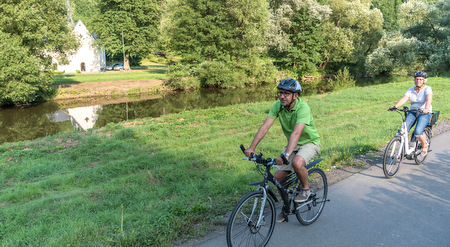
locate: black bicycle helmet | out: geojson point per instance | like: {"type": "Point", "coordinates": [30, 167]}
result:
{"type": "Point", "coordinates": [420, 74]}
{"type": "Point", "coordinates": [290, 85]}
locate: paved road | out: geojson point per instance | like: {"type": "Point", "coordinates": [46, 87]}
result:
{"type": "Point", "coordinates": [366, 209]}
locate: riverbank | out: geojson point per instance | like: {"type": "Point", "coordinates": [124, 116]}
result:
{"type": "Point", "coordinates": [102, 88]}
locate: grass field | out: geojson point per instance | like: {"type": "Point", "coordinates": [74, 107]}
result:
{"type": "Point", "coordinates": [147, 71]}
{"type": "Point", "coordinates": [149, 182]}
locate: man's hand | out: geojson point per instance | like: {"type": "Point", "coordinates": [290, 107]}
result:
{"type": "Point", "coordinates": [249, 151]}
{"type": "Point", "coordinates": [279, 161]}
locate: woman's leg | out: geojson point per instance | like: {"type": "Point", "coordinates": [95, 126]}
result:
{"type": "Point", "coordinates": [422, 122]}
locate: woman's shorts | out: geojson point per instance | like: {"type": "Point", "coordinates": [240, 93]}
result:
{"type": "Point", "coordinates": [307, 151]}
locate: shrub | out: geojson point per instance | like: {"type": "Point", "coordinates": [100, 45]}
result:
{"type": "Point", "coordinates": [394, 53]}
{"type": "Point", "coordinates": [182, 77]}
{"type": "Point", "coordinates": [221, 74]}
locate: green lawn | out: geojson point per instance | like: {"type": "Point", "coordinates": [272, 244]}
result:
{"type": "Point", "coordinates": [174, 175]}
{"type": "Point", "coordinates": [149, 71]}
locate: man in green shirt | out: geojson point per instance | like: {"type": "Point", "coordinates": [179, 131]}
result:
{"type": "Point", "coordinates": [303, 140]}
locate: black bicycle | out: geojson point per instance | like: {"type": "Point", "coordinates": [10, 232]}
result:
{"type": "Point", "coordinates": [253, 219]}
{"type": "Point", "coordinates": [402, 146]}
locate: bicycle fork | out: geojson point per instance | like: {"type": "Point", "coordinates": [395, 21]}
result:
{"type": "Point", "coordinates": [261, 210]}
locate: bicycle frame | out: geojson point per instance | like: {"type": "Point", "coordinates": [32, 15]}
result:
{"type": "Point", "coordinates": [282, 187]}
{"type": "Point", "coordinates": [403, 133]}
{"type": "Point", "coordinates": [405, 140]}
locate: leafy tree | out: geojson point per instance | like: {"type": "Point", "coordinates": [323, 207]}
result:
{"type": "Point", "coordinates": [32, 31]}
{"type": "Point", "coordinates": [390, 10]}
{"type": "Point", "coordinates": [430, 24]}
{"type": "Point", "coordinates": [296, 36]}
{"type": "Point", "coordinates": [353, 33]}
{"type": "Point", "coordinates": [138, 21]}
{"type": "Point", "coordinates": [225, 30]}
{"type": "Point", "coordinates": [84, 10]}
{"type": "Point", "coordinates": [423, 42]}
{"type": "Point", "coordinates": [394, 53]}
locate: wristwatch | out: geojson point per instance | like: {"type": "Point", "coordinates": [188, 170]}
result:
{"type": "Point", "coordinates": [286, 154]}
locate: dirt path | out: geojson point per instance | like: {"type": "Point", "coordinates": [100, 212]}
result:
{"type": "Point", "coordinates": [90, 89]}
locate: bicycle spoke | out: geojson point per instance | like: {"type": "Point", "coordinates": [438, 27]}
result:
{"type": "Point", "coordinates": [308, 212]}
{"type": "Point", "coordinates": [242, 227]}
{"type": "Point", "coordinates": [393, 156]}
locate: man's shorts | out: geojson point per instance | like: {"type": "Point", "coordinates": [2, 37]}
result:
{"type": "Point", "coordinates": [307, 151]}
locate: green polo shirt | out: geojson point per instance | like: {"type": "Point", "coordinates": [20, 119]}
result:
{"type": "Point", "coordinates": [300, 113]}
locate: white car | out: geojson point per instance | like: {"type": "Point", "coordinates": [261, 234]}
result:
{"type": "Point", "coordinates": [116, 66]}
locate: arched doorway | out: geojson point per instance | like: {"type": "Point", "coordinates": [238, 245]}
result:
{"type": "Point", "coordinates": [83, 67]}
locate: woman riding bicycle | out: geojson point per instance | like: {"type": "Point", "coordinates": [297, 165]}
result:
{"type": "Point", "coordinates": [420, 97]}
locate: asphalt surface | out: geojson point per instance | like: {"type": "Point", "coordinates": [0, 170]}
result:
{"type": "Point", "coordinates": [367, 209]}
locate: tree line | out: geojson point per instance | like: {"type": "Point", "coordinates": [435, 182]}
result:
{"type": "Point", "coordinates": [227, 43]}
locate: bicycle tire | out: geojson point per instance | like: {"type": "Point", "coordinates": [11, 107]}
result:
{"type": "Point", "coordinates": [418, 158]}
{"type": "Point", "coordinates": [242, 229]}
{"type": "Point", "coordinates": [308, 212]}
{"type": "Point", "coordinates": [393, 157]}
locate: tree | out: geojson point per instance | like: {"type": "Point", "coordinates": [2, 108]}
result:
{"type": "Point", "coordinates": [394, 53]}
{"type": "Point", "coordinates": [135, 22]}
{"type": "Point", "coordinates": [32, 32]}
{"type": "Point", "coordinates": [390, 10]}
{"type": "Point", "coordinates": [84, 10]}
{"type": "Point", "coordinates": [210, 30]}
{"type": "Point", "coordinates": [296, 36]}
{"type": "Point", "coordinates": [430, 24]}
{"type": "Point", "coordinates": [423, 43]}
{"type": "Point", "coordinates": [353, 33]}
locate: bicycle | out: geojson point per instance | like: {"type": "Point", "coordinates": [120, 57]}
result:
{"type": "Point", "coordinates": [252, 221]}
{"type": "Point", "coordinates": [400, 147]}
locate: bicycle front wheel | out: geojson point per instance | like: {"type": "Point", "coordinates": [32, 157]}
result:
{"type": "Point", "coordinates": [308, 212]}
{"type": "Point", "coordinates": [419, 159]}
{"type": "Point", "coordinates": [247, 226]}
{"type": "Point", "coordinates": [393, 156]}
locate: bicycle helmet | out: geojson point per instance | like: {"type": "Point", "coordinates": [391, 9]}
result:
{"type": "Point", "coordinates": [420, 74]}
{"type": "Point", "coordinates": [290, 85]}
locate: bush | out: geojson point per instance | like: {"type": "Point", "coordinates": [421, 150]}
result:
{"type": "Point", "coordinates": [394, 53]}
{"type": "Point", "coordinates": [182, 77]}
{"type": "Point", "coordinates": [221, 74]}
{"type": "Point", "coordinates": [260, 71]}
{"type": "Point", "coordinates": [343, 79]}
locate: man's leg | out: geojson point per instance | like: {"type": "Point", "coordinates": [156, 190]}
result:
{"type": "Point", "coordinates": [281, 174]}
{"type": "Point", "coordinates": [304, 155]}
{"type": "Point", "coordinates": [299, 166]}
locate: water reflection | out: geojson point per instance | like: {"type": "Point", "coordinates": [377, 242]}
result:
{"type": "Point", "coordinates": [56, 117]}
{"type": "Point", "coordinates": [81, 114]}
{"type": "Point", "coordinates": [81, 118]}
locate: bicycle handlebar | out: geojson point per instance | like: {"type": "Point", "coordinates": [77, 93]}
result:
{"type": "Point", "coordinates": [405, 109]}
{"type": "Point", "coordinates": [260, 160]}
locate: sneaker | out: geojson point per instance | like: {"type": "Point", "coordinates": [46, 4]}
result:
{"type": "Point", "coordinates": [281, 217]}
{"type": "Point", "coordinates": [302, 196]}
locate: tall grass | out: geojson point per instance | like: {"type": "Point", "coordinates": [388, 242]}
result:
{"type": "Point", "coordinates": [174, 175]}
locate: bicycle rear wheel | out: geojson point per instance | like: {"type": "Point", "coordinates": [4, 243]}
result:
{"type": "Point", "coordinates": [308, 212]}
{"type": "Point", "coordinates": [393, 156]}
{"type": "Point", "coordinates": [419, 159]}
{"type": "Point", "coordinates": [243, 228]}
